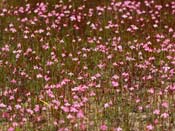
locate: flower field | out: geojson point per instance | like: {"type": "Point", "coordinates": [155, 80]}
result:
{"type": "Point", "coordinates": [87, 65]}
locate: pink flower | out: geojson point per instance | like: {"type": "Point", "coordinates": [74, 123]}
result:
{"type": "Point", "coordinates": [2, 105]}
{"type": "Point", "coordinates": [156, 112]}
{"type": "Point", "coordinates": [106, 105]}
{"type": "Point", "coordinates": [11, 129]}
{"type": "Point", "coordinates": [140, 108]}
{"type": "Point", "coordinates": [165, 104]}
{"type": "Point", "coordinates": [80, 114]}
{"type": "Point", "coordinates": [73, 18]}
{"type": "Point", "coordinates": [69, 116]}
{"type": "Point", "coordinates": [156, 121]}
{"type": "Point", "coordinates": [150, 127]}
{"type": "Point", "coordinates": [118, 129]}
{"type": "Point", "coordinates": [65, 109]}
{"type": "Point", "coordinates": [37, 108]}
{"type": "Point", "coordinates": [39, 76]}
{"type": "Point", "coordinates": [115, 84]}
{"type": "Point", "coordinates": [164, 115]}
{"type": "Point", "coordinates": [115, 77]}
{"type": "Point", "coordinates": [13, 81]}
{"type": "Point", "coordinates": [17, 106]}
{"type": "Point", "coordinates": [103, 127]}
{"type": "Point", "coordinates": [151, 90]}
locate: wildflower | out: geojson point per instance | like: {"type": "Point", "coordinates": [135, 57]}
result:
{"type": "Point", "coordinates": [11, 129]}
{"type": "Point", "coordinates": [150, 127]}
{"type": "Point", "coordinates": [164, 115]}
{"type": "Point", "coordinates": [118, 129]}
{"type": "Point", "coordinates": [156, 112]}
{"type": "Point", "coordinates": [103, 127]}
{"type": "Point", "coordinates": [2, 105]}
{"type": "Point", "coordinates": [115, 84]}
{"type": "Point", "coordinates": [165, 104]}
{"type": "Point", "coordinates": [80, 114]}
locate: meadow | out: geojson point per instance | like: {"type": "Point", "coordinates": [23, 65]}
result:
{"type": "Point", "coordinates": [87, 65]}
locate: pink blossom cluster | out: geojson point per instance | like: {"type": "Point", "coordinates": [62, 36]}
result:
{"type": "Point", "coordinates": [81, 65]}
